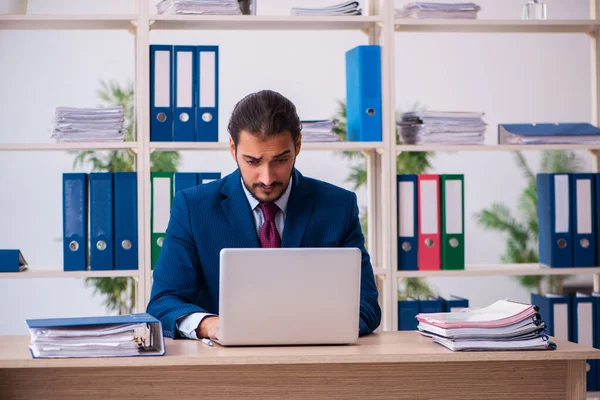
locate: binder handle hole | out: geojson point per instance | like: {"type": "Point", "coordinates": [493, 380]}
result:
{"type": "Point", "coordinates": [161, 117]}
{"type": "Point", "coordinates": [207, 117]}
{"type": "Point", "coordinates": [73, 246]}
{"type": "Point", "coordinates": [101, 245]}
{"type": "Point", "coordinates": [126, 244]}
{"type": "Point", "coordinates": [562, 243]}
{"type": "Point", "coordinates": [370, 111]}
{"type": "Point", "coordinates": [584, 243]}
{"type": "Point", "coordinates": [184, 117]}
{"type": "Point", "coordinates": [429, 242]}
{"type": "Point", "coordinates": [453, 242]}
{"type": "Point", "coordinates": [160, 241]}
{"type": "Point", "coordinates": [406, 246]}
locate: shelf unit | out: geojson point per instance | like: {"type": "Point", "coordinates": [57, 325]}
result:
{"type": "Point", "coordinates": [381, 27]}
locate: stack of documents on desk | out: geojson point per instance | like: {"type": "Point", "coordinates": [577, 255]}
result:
{"type": "Point", "coordinates": [548, 133]}
{"type": "Point", "coordinates": [212, 7]}
{"type": "Point", "coordinates": [504, 325]}
{"type": "Point", "coordinates": [120, 336]}
{"type": "Point", "coordinates": [319, 131]}
{"type": "Point", "coordinates": [347, 8]}
{"type": "Point", "coordinates": [431, 10]}
{"type": "Point", "coordinates": [88, 124]}
{"type": "Point", "coordinates": [442, 127]}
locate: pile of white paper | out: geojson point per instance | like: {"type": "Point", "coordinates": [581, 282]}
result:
{"type": "Point", "coordinates": [88, 124]}
{"type": "Point", "coordinates": [442, 127]}
{"type": "Point", "coordinates": [346, 8]}
{"type": "Point", "coordinates": [100, 341]}
{"type": "Point", "coordinates": [212, 7]}
{"type": "Point", "coordinates": [431, 10]}
{"type": "Point", "coordinates": [504, 325]}
{"type": "Point", "coordinates": [319, 131]}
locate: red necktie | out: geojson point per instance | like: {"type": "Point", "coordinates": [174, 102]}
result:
{"type": "Point", "coordinates": [268, 236]}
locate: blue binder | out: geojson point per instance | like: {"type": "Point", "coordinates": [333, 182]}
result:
{"type": "Point", "coordinates": [583, 201]}
{"type": "Point", "coordinates": [555, 311]}
{"type": "Point", "coordinates": [185, 180]}
{"type": "Point", "coordinates": [75, 221]}
{"type": "Point", "coordinates": [584, 331]}
{"type": "Point", "coordinates": [407, 222]}
{"type": "Point", "coordinates": [431, 304]}
{"type": "Point", "coordinates": [126, 221]}
{"type": "Point", "coordinates": [161, 93]}
{"type": "Point", "coordinates": [363, 94]}
{"type": "Point", "coordinates": [205, 177]}
{"type": "Point", "coordinates": [101, 221]}
{"type": "Point", "coordinates": [454, 303]}
{"type": "Point", "coordinates": [407, 313]}
{"type": "Point", "coordinates": [12, 261]}
{"type": "Point", "coordinates": [555, 220]}
{"type": "Point", "coordinates": [184, 88]}
{"type": "Point", "coordinates": [207, 102]}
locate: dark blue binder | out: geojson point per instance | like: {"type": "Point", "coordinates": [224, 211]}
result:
{"type": "Point", "coordinates": [161, 93]}
{"type": "Point", "coordinates": [584, 331]}
{"type": "Point", "coordinates": [185, 180]}
{"type": "Point", "coordinates": [205, 177]}
{"type": "Point", "coordinates": [583, 200]}
{"type": "Point", "coordinates": [75, 221]}
{"type": "Point", "coordinates": [455, 303]}
{"type": "Point", "coordinates": [126, 221]}
{"type": "Point", "coordinates": [407, 312]}
{"type": "Point", "coordinates": [207, 102]}
{"type": "Point", "coordinates": [407, 222]}
{"type": "Point", "coordinates": [431, 304]}
{"type": "Point", "coordinates": [555, 220]}
{"type": "Point", "coordinates": [363, 94]}
{"type": "Point", "coordinates": [184, 89]}
{"type": "Point", "coordinates": [555, 311]}
{"type": "Point", "coordinates": [101, 221]}
{"type": "Point", "coordinates": [12, 260]}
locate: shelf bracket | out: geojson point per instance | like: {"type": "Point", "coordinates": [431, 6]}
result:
{"type": "Point", "coordinates": [132, 27]}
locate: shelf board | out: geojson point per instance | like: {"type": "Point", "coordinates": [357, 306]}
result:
{"type": "Point", "coordinates": [34, 273]}
{"type": "Point", "coordinates": [67, 22]}
{"type": "Point", "coordinates": [496, 147]}
{"type": "Point", "coordinates": [254, 22]}
{"type": "Point", "coordinates": [499, 270]}
{"type": "Point", "coordinates": [380, 271]}
{"type": "Point", "coordinates": [323, 146]}
{"type": "Point", "coordinates": [67, 146]}
{"type": "Point", "coordinates": [496, 26]}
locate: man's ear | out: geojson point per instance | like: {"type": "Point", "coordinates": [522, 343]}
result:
{"type": "Point", "coordinates": [298, 144]}
{"type": "Point", "coordinates": [232, 148]}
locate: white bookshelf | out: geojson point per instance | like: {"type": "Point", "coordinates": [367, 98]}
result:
{"type": "Point", "coordinates": [381, 27]}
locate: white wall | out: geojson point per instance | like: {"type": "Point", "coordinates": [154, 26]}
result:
{"type": "Point", "coordinates": [512, 78]}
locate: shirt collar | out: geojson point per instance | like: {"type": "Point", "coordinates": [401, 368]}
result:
{"type": "Point", "coordinates": [282, 203]}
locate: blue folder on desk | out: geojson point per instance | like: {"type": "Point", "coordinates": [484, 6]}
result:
{"type": "Point", "coordinates": [12, 261]}
{"type": "Point", "coordinates": [91, 327]}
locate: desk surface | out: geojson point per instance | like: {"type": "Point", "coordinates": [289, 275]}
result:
{"type": "Point", "coordinates": [386, 347]}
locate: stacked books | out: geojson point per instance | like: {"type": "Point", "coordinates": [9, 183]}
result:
{"type": "Point", "coordinates": [504, 325]}
{"type": "Point", "coordinates": [88, 124]}
{"type": "Point", "coordinates": [212, 7]}
{"type": "Point", "coordinates": [319, 131]}
{"type": "Point", "coordinates": [548, 133]}
{"type": "Point", "coordinates": [120, 336]}
{"type": "Point", "coordinates": [431, 10]}
{"type": "Point", "coordinates": [346, 8]}
{"type": "Point", "coordinates": [442, 127]}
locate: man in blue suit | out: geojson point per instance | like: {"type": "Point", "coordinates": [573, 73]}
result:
{"type": "Point", "coordinates": [266, 202]}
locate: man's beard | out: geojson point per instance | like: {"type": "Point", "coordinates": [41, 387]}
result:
{"type": "Point", "coordinates": [273, 185]}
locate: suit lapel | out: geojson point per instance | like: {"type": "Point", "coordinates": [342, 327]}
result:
{"type": "Point", "coordinates": [237, 209]}
{"type": "Point", "coordinates": [299, 211]}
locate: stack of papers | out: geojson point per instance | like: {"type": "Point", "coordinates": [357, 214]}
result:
{"type": "Point", "coordinates": [442, 127]}
{"type": "Point", "coordinates": [504, 325]}
{"type": "Point", "coordinates": [212, 7]}
{"type": "Point", "coordinates": [347, 8]}
{"type": "Point", "coordinates": [120, 336]}
{"type": "Point", "coordinates": [319, 131]}
{"type": "Point", "coordinates": [431, 10]}
{"type": "Point", "coordinates": [548, 133]}
{"type": "Point", "coordinates": [88, 124]}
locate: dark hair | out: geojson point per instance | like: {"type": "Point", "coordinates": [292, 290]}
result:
{"type": "Point", "coordinates": [264, 114]}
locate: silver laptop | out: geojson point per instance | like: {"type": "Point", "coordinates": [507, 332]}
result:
{"type": "Point", "coordinates": [289, 296]}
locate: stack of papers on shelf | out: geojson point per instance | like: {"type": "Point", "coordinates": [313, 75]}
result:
{"type": "Point", "coordinates": [347, 8]}
{"type": "Point", "coordinates": [431, 10]}
{"type": "Point", "coordinates": [212, 7]}
{"type": "Point", "coordinates": [88, 124]}
{"type": "Point", "coordinates": [442, 127]}
{"type": "Point", "coordinates": [319, 131]}
{"type": "Point", "coordinates": [120, 336]}
{"type": "Point", "coordinates": [504, 325]}
{"type": "Point", "coordinates": [548, 133]}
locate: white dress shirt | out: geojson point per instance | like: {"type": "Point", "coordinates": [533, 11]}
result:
{"type": "Point", "coordinates": [187, 325]}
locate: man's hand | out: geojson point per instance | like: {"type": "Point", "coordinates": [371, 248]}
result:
{"type": "Point", "coordinates": [208, 328]}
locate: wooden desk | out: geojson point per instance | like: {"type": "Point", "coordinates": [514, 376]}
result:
{"type": "Point", "coordinates": [390, 365]}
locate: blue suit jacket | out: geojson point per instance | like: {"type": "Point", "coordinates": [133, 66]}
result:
{"type": "Point", "coordinates": [217, 215]}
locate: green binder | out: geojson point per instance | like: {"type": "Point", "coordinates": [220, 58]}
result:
{"type": "Point", "coordinates": [453, 222]}
{"type": "Point", "coordinates": [161, 200]}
